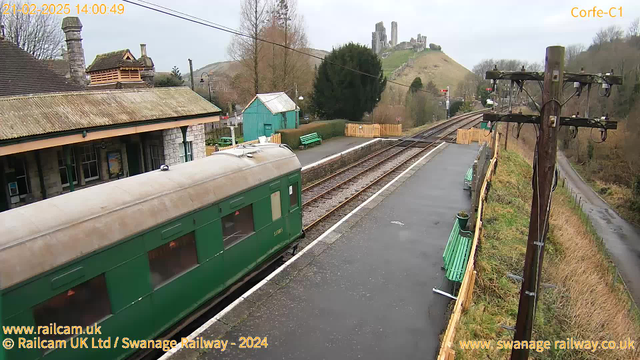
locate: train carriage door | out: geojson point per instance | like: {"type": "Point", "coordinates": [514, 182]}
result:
{"type": "Point", "coordinates": [294, 218]}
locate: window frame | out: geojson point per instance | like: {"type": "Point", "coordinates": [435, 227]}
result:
{"type": "Point", "coordinates": [189, 151]}
{"type": "Point", "coordinates": [279, 204]}
{"type": "Point", "coordinates": [19, 160]}
{"type": "Point", "coordinates": [293, 188]}
{"type": "Point", "coordinates": [104, 288]}
{"type": "Point", "coordinates": [92, 151]}
{"type": "Point", "coordinates": [156, 154]}
{"type": "Point", "coordinates": [61, 158]}
{"type": "Point", "coordinates": [226, 244]}
{"type": "Point", "coordinates": [178, 274]}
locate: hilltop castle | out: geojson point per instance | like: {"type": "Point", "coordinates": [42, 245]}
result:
{"type": "Point", "coordinates": [379, 42]}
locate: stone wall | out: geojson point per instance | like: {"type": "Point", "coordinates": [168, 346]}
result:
{"type": "Point", "coordinates": [172, 141]}
{"type": "Point", "coordinates": [322, 170]}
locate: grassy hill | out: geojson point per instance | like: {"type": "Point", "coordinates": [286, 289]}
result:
{"type": "Point", "coordinates": [428, 65]}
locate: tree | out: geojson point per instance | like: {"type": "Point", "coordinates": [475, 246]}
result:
{"type": "Point", "coordinates": [246, 50]}
{"type": "Point", "coordinates": [634, 28]}
{"type": "Point", "coordinates": [39, 35]}
{"type": "Point", "coordinates": [608, 34]}
{"type": "Point", "coordinates": [282, 68]}
{"type": "Point", "coordinates": [431, 88]}
{"type": "Point", "coordinates": [175, 72]}
{"type": "Point", "coordinates": [433, 46]}
{"type": "Point", "coordinates": [173, 79]}
{"type": "Point", "coordinates": [416, 85]}
{"type": "Point", "coordinates": [343, 93]}
{"type": "Point", "coordinates": [571, 54]}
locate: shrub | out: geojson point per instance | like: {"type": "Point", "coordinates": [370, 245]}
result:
{"type": "Point", "coordinates": [326, 130]}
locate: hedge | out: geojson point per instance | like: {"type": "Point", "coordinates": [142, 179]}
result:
{"type": "Point", "coordinates": [326, 130]}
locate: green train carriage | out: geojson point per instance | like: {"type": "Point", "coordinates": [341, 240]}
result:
{"type": "Point", "coordinates": [137, 255]}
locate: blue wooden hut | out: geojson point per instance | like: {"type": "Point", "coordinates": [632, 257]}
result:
{"type": "Point", "coordinates": [267, 113]}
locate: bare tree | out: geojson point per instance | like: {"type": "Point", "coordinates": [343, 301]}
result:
{"type": "Point", "coordinates": [634, 28]}
{"type": "Point", "coordinates": [246, 50]}
{"type": "Point", "coordinates": [571, 54]}
{"type": "Point", "coordinates": [39, 35]}
{"type": "Point", "coordinates": [608, 34]}
{"type": "Point", "coordinates": [288, 68]}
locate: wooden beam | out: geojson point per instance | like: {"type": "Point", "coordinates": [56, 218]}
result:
{"type": "Point", "coordinates": [582, 78]}
{"type": "Point", "coordinates": [564, 120]}
{"type": "Point", "coordinates": [100, 134]}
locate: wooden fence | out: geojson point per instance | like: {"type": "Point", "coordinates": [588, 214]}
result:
{"type": "Point", "coordinates": [372, 130]}
{"type": "Point", "coordinates": [467, 136]}
{"type": "Point", "coordinates": [466, 289]}
{"type": "Point", "coordinates": [274, 139]}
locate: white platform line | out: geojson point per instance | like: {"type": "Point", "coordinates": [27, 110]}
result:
{"type": "Point", "coordinates": [211, 321]}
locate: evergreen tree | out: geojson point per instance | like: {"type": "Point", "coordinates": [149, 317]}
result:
{"type": "Point", "coordinates": [416, 85]}
{"type": "Point", "coordinates": [343, 93]}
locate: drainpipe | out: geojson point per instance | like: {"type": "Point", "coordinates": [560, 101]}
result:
{"type": "Point", "coordinates": [43, 189]}
{"type": "Point", "coordinates": [67, 157]}
{"type": "Point", "coordinates": [184, 141]}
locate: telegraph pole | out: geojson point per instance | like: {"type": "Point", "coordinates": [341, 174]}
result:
{"type": "Point", "coordinates": [191, 74]}
{"type": "Point", "coordinates": [543, 176]}
{"type": "Point", "coordinates": [544, 164]}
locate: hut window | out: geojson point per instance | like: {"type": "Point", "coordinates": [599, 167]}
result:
{"type": "Point", "coordinates": [89, 160]}
{"type": "Point", "coordinates": [237, 226]}
{"type": "Point", "coordinates": [82, 305]}
{"type": "Point", "coordinates": [64, 179]}
{"type": "Point", "coordinates": [276, 211]}
{"type": "Point", "coordinates": [189, 153]}
{"type": "Point", "coordinates": [172, 259]}
{"type": "Point", "coordinates": [293, 195]}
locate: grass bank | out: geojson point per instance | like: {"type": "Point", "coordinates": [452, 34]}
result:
{"type": "Point", "coordinates": [587, 303]}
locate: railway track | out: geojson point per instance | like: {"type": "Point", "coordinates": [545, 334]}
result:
{"type": "Point", "coordinates": [329, 195]}
{"type": "Point", "coordinates": [352, 186]}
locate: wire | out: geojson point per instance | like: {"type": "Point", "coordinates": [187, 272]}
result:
{"type": "Point", "coordinates": [210, 24]}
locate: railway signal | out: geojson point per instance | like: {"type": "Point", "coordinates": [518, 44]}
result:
{"type": "Point", "coordinates": [544, 168]}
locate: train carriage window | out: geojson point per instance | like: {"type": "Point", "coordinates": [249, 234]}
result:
{"type": "Point", "coordinates": [293, 195]}
{"type": "Point", "coordinates": [82, 305]}
{"type": "Point", "coordinates": [172, 259]}
{"type": "Point", "coordinates": [237, 226]}
{"type": "Point", "coordinates": [276, 211]}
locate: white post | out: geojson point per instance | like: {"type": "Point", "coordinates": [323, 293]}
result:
{"type": "Point", "coordinates": [233, 136]}
{"type": "Point", "coordinates": [447, 102]}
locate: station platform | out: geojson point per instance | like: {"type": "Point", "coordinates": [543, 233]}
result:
{"type": "Point", "coordinates": [329, 147]}
{"type": "Point", "coordinates": [364, 288]}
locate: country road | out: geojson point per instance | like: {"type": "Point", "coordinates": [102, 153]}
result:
{"type": "Point", "coordinates": [621, 238]}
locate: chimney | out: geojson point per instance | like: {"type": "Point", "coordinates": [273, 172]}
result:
{"type": "Point", "coordinates": [148, 72]}
{"type": "Point", "coordinates": [72, 28]}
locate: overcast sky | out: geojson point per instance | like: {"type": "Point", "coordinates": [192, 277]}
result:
{"type": "Point", "coordinates": [468, 31]}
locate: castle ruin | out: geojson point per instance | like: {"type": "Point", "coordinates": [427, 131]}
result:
{"type": "Point", "coordinates": [379, 38]}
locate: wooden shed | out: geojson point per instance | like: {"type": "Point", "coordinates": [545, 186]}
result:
{"type": "Point", "coordinates": [267, 113]}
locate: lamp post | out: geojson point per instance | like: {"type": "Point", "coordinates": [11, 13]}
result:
{"type": "Point", "coordinates": [208, 83]}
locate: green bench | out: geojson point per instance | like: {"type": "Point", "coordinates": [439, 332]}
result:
{"type": "Point", "coordinates": [468, 178]}
{"type": "Point", "coordinates": [310, 139]}
{"type": "Point", "coordinates": [456, 253]}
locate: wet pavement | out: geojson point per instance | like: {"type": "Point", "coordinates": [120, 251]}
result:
{"type": "Point", "coordinates": [365, 291]}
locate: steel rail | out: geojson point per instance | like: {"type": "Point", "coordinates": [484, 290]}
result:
{"type": "Point", "coordinates": [342, 204]}
{"type": "Point", "coordinates": [423, 134]}
{"type": "Point", "coordinates": [434, 130]}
